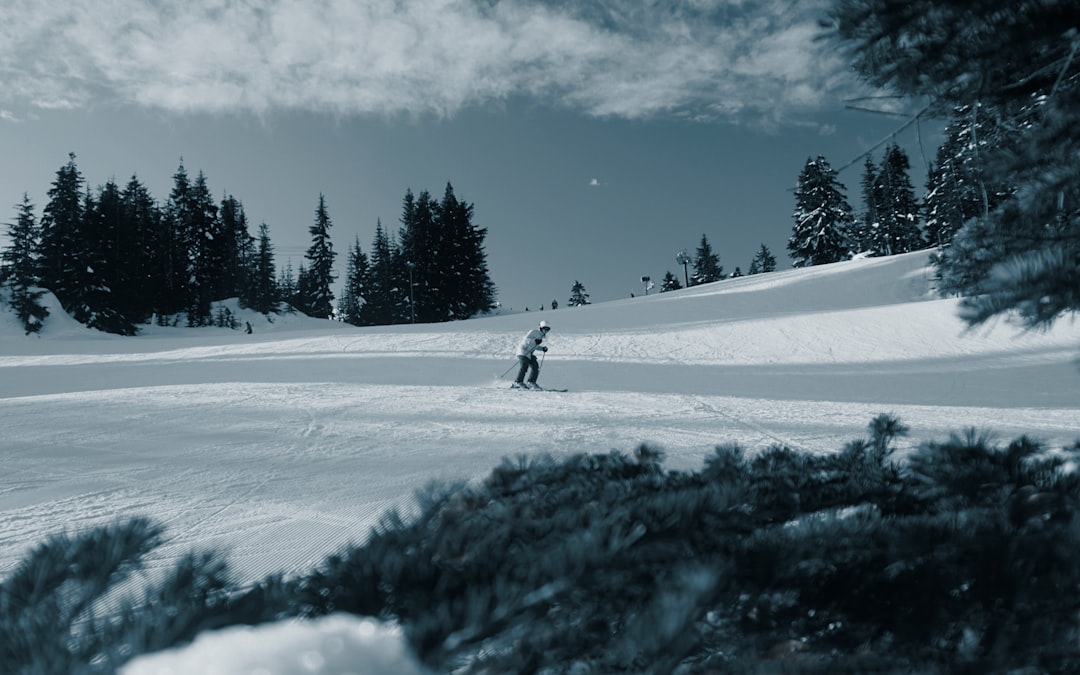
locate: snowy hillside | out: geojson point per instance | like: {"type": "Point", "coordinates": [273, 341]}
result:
{"type": "Point", "coordinates": [283, 445]}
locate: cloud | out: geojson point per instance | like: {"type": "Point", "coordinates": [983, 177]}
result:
{"type": "Point", "coordinates": [706, 59]}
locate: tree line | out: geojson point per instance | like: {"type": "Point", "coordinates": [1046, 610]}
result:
{"type": "Point", "coordinates": [115, 259]}
{"type": "Point", "coordinates": [434, 270]}
{"type": "Point", "coordinates": [706, 266]}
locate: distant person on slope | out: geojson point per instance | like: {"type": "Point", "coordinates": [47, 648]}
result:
{"type": "Point", "coordinates": [526, 355]}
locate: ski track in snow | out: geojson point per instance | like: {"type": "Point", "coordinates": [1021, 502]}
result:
{"type": "Point", "coordinates": [285, 446]}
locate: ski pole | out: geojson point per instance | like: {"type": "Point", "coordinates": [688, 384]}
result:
{"type": "Point", "coordinates": [507, 371]}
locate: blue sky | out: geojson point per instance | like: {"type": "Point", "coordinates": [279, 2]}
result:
{"type": "Point", "coordinates": [596, 138]}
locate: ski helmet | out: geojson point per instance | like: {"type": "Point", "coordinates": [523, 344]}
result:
{"type": "Point", "coordinates": [544, 325]}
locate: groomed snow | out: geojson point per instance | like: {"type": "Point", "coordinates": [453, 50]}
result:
{"type": "Point", "coordinates": [283, 445]}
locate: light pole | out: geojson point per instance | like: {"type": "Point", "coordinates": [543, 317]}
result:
{"type": "Point", "coordinates": [412, 302]}
{"type": "Point", "coordinates": [684, 260]}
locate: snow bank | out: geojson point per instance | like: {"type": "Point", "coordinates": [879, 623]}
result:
{"type": "Point", "coordinates": [339, 644]}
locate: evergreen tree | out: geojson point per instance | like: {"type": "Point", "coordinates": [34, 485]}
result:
{"type": "Point", "coordinates": [104, 276]}
{"type": "Point", "coordinates": [173, 259]}
{"type": "Point", "coordinates": [354, 292]}
{"type": "Point", "coordinates": [764, 261]}
{"type": "Point", "coordinates": [707, 267]}
{"type": "Point", "coordinates": [957, 189]}
{"type": "Point", "coordinates": [860, 236]}
{"type": "Point", "coordinates": [207, 248]}
{"type": "Point", "coordinates": [1019, 59]}
{"type": "Point", "coordinates": [287, 286]}
{"type": "Point", "coordinates": [236, 250]}
{"type": "Point", "coordinates": [317, 296]}
{"type": "Point", "coordinates": [63, 255]}
{"type": "Point", "coordinates": [898, 209]}
{"type": "Point", "coordinates": [19, 268]}
{"type": "Point", "coordinates": [384, 294]}
{"type": "Point", "coordinates": [262, 289]}
{"type": "Point", "coordinates": [578, 296]}
{"type": "Point", "coordinates": [421, 241]}
{"type": "Point", "coordinates": [139, 234]}
{"type": "Point", "coordinates": [822, 216]}
{"type": "Point", "coordinates": [670, 282]}
{"type": "Point", "coordinates": [470, 290]}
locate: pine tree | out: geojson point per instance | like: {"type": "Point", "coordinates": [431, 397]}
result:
{"type": "Point", "coordinates": [670, 282]}
{"type": "Point", "coordinates": [19, 268]}
{"type": "Point", "coordinates": [287, 286]}
{"type": "Point", "coordinates": [898, 210]}
{"type": "Point", "coordinates": [104, 277]}
{"type": "Point", "coordinates": [957, 189]}
{"type": "Point", "coordinates": [139, 234]}
{"type": "Point", "coordinates": [357, 275]}
{"type": "Point", "coordinates": [422, 241]}
{"type": "Point", "coordinates": [384, 294]}
{"type": "Point", "coordinates": [578, 296]}
{"type": "Point", "coordinates": [861, 233]}
{"type": "Point", "coordinates": [236, 250]}
{"type": "Point", "coordinates": [62, 261]}
{"type": "Point", "coordinates": [1018, 59]}
{"type": "Point", "coordinates": [822, 216]}
{"type": "Point", "coordinates": [764, 261]}
{"type": "Point", "coordinates": [318, 298]}
{"type": "Point", "coordinates": [707, 267]}
{"type": "Point", "coordinates": [469, 289]}
{"type": "Point", "coordinates": [262, 289]}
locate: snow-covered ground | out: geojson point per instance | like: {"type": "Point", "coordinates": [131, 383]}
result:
{"type": "Point", "coordinates": [283, 445]}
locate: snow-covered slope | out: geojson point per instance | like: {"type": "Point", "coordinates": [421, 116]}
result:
{"type": "Point", "coordinates": [285, 444]}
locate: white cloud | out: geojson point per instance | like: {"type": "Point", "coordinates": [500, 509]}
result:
{"type": "Point", "coordinates": [703, 58]}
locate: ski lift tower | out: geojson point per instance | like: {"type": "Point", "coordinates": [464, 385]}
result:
{"type": "Point", "coordinates": [684, 260]}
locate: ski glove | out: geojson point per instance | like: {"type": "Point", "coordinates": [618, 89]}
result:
{"type": "Point", "coordinates": [543, 349]}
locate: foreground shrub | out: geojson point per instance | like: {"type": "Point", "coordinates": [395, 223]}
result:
{"type": "Point", "coordinates": [960, 559]}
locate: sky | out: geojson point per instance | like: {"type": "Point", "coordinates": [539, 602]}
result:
{"type": "Point", "coordinates": [595, 138]}
{"type": "Point", "coordinates": [281, 446]}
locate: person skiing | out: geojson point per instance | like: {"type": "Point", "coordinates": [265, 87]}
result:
{"type": "Point", "coordinates": [527, 357]}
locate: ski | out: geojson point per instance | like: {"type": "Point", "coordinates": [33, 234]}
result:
{"type": "Point", "coordinates": [535, 388]}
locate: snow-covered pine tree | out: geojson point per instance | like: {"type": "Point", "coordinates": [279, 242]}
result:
{"type": "Point", "coordinates": [1021, 59]}
{"type": "Point", "coordinates": [19, 268]}
{"type": "Point", "coordinates": [764, 261]}
{"type": "Point", "coordinates": [707, 267]}
{"type": "Point", "coordinates": [860, 234]}
{"type": "Point", "coordinates": [898, 228]}
{"type": "Point", "coordinates": [578, 296]}
{"type": "Point", "coordinates": [670, 282]}
{"type": "Point", "coordinates": [822, 216]}
{"type": "Point", "coordinates": [318, 298]}
{"type": "Point", "coordinates": [957, 189]}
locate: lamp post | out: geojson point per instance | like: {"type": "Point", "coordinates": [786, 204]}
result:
{"type": "Point", "coordinates": [684, 260]}
{"type": "Point", "coordinates": [412, 301]}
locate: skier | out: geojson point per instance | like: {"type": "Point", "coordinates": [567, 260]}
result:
{"type": "Point", "coordinates": [527, 357]}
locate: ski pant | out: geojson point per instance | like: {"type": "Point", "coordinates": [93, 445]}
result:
{"type": "Point", "coordinates": [528, 364]}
